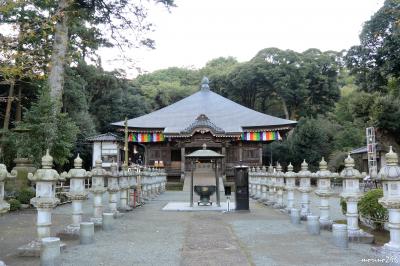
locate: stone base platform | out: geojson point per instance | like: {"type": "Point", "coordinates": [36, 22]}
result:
{"type": "Point", "coordinates": [361, 237]}
{"type": "Point", "coordinates": [185, 206]}
{"type": "Point", "coordinates": [71, 232]}
{"type": "Point", "coordinates": [32, 249]}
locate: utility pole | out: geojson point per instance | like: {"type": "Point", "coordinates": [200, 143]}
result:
{"type": "Point", "coordinates": [126, 162]}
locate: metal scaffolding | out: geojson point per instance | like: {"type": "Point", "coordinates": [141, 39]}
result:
{"type": "Point", "coordinates": [371, 151]}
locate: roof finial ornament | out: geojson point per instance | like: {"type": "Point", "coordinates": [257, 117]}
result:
{"type": "Point", "coordinates": [204, 84]}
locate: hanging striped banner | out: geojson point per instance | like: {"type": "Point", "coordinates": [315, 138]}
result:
{"type": "Point", "coordinates": [146, 137]}
{"type": "Point", "coordinates": [261, 136]}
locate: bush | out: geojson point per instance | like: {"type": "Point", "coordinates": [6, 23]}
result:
{"type": "Point", "coordinates": [14, 204]}
{"type": "Point", "coordinates": [343, 204]}
{"type": "Point", "coordinates": [25, 195]}
{"type": "Point", "coordinates": [370, 209]}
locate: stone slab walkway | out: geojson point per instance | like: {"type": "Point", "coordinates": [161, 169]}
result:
{"type": "Point", "coordinates": [150, 236]}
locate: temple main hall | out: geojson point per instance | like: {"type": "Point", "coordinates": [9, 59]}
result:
{"type": "Point", "coordinates": [165, 136]}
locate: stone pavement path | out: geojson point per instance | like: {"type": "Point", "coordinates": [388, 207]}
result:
{"type": "Point", "coordinates": [150, 236]}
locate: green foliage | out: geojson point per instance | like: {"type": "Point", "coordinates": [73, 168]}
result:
{"type": "Point", "coordinates": [14, 204]}
{"type": "Point", "coordinates": [24, 196]}
{"type": "Point", "coordinates": [48, 129]}
{"type": "Point", "coordinates": [370, 208]}
{"type": "Point", "coordinates": [343, 205]}
{"type": "Point", "coordinates": [377, 59]}
{"type": "Point", "coordinates": [336, 160]}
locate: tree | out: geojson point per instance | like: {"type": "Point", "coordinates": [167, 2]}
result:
{"type": "Point", "coordinates": [115, 16]}
{"type": "Point", "coordinates": [377, 59]}
{"type": "Point", "coordinates": [47, 129]}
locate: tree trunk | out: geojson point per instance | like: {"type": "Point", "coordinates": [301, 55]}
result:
{"type": "Point", "coordinates": [18, 115]}
{"type": "Point", "coordinates": [285, 108]}
{"type": "Point", "coordinates": [9, 103]}
{"type": "Point", "coordinates": [58, 57]}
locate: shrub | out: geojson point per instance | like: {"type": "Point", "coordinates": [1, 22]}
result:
{"type": "Point", "coordinates": [25, 195]}
{"type": "Point", "coordinates": [369, 208]}
{"type": "Point", "coordinates": [14, 204]}
{"type": "Point", "coordinates": [343, 204]}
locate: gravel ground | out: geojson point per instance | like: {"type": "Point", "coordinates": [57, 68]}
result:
{"type": "Point", "coordinates": [149, 236]}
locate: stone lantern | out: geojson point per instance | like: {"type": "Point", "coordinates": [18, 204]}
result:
{"type": "Point", "coordinates": [252, 182]}
{"type": "Point", "coordinates": [258, 184]}
{"type": "Point", "coordinates": [77, 193]}
{"type": "Point", "coordinates": [113, 189]}
{"type": "Point", "coordinates": [290, 186]}
{"type": "Point", "coordinates": [98, 190]}
{"type": "Point", "coordinates": [352, 194]}
{"type": "Point", "coordinates": [264, 189]}
{"type": "Point", "coordinates": [390, 177]}
{"type": "Point", "coordinates": [305, 189]}
{"type": "Point", "coordinates": [4, 206]}
{"type": "Point", "coordinates": [279, 185]}
{"type": "Point", "coordinates": [324, 192]}
{"type": "Point", "coordinates": [271, 185]}
{"type": "Point", "coordinates": [45, 200]}
{"type": "Point", "coordinates": [124, 188]}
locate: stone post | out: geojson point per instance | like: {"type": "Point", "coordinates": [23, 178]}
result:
{"type": "Point", "coordinates": [263, 177]}
{"type": "Point", "coordinates": [258, 183]}
{"type": "Point", "coordinates": [132, 180]}
{"type": "Point", "coordinates": [390, 177]}
{"type": "Point", "coordinates": [352, 194]}
{"type": "Point", "coordinates": [113, 190]}
{"type": "Point", "coordinates": [77, 193]}
{"type": "Point", "coordinates": [4, 206]}
{"type": "Point", "coordinates": [271, 186]}
{"type": "Point", "coordinates": [50, 251]}
{"type": "Point", "coordinates": [290, 187]}
{"type": "Point", "coordinates": [279, 185]}
{"type": "Point", "coordinates": [305, 189]}
{"type": "Point", "coordinates": [98, 190]}
{"type": "Point", "coordinates": [124, 188]}
{"type": "Point", "coordinates": [45, 200]}
{"type": "Point", "coordinates": [324, 192]}
{"type": "Point", "coordinates": [250, 182]}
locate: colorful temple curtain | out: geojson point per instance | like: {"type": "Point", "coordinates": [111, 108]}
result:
{"type": "Point", "coordinates": [261, 136]}
{"type": "Point", "coordinates": [146, 137]}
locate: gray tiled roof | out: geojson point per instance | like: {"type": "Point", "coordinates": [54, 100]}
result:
{"type": "Point", "coordinates": [222, 112]}
{"type": "Point", "coordinates": [104, 137]}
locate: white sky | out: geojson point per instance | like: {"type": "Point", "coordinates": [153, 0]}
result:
{"type": "Point", "coordinates": [197, 31]}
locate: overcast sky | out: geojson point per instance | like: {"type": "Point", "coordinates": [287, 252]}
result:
{"type": "Point", "coordinates": [197, 31]}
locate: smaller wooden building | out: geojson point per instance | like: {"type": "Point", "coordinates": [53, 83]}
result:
{"type": "Point", "coordinates": [108, 147]}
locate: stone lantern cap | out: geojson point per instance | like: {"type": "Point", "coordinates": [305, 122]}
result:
{"type": "Point", "coordinates": [4, 174]}
{"type": "Point", "coordinates": [391, 171]}
{"type": "Point", "coordinates": [77, 172]}
{"type": "Point", "coordinates": [114, 170]}
{"type": "Point", "coordinates": [349, 172]}
{"type": "Point", "coordinates": [323, 172]}
{"type": "Point", "coordinates": [46, 173]}
{"type": "Point", "coordinates": [290, 173]}
{"type": "Point", "coordinates": [270, 170]}
{"type": "Point", "coordinates": [98, 169]}
{"type": "Point", "coordinates": [280, 182]}
{"type": "Point", "coordinates": [304, 172]}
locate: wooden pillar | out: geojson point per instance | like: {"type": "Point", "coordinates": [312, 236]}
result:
{"type": "Point", "coordinates": [217, 182]}
{"type": "Point", "coordinates": [191, 183]}
{"type": "Point", "coordinates": [261, 153]}
{"type": "Point", "coordinates": [223, 164]}
{"type": "Point", "coordinates": [146, 155]}
{"type": "Point", "coordinates": [240, 152]}
{"type": "Point", "coordinates": [183, 163]}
